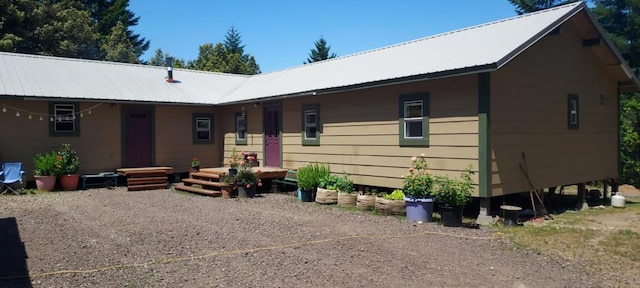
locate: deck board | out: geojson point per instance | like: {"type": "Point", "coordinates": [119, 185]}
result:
{"type": "Point", "coordinates": [263, 172]}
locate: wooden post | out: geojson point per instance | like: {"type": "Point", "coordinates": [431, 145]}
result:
{"type": "Point", "coordinates": [582, 197]}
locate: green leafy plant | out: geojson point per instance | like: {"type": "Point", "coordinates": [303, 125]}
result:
{"type": "Point", "coordinates": [45, 164]}
{"type": "Point", "coordinates": [329, 182]}
{"type": "Point", "coordinates": [246, 176]}
{"type": "Point", "coordinates": [397, 194]}
{"type": "Point", "coordinates": [236, 159]}
{"type": "Point", "coordinates": [195, 163]}
{"type": "Point", "coordinates": [345, 185]}
{"type": "Point", "coordinates": [67, 160]}
{"type": "Point", "coordinates": [454, 192]}
{"type": "Point", "coordinates": [419, 182]}
{"type": "Point", "coordinates": [310, 174]}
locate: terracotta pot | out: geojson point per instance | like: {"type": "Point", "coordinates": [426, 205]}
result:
{"type": "Point", "coordinates": [45, 183]}
{"type": "Point", "coordinates": [69, 182]}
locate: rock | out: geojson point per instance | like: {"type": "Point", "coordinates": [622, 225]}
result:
{"type": "Point", "coordinates": [628, 190]}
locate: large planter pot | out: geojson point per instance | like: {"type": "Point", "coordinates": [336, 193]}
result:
{"type": "Point", "coordinates": [347, 199]}
{"type": "Point", "coordinates": [419, 209]}
{"type": "Point", "coordinates": [390, 207]}
{"type": "Point", "coordinates": [229, 191]}
{"type": "Point", "coordinates": [244, 192]}
{"type": "Point", "coordinates": [451, 216]}
{"type": "Point", "coordinates": [45, 183]}
{"type": "Point", "coordinates": [69, 182]}
{"type": "Point", "coordinates": [325, 196]}
{"type": "Point", "coordinates": [307, 195]}
{"type": "Point", "coordinates": [365, 202]}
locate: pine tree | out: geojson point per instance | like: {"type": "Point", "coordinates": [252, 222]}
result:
{"type": "Point", "coordinates": [117, 46]}
{"type": "Point", "coordinates": [321, 52]}
{"type": "Point", "coordinates": [227, 57]}
{"type": "Point", "coordinates": [528, 6]}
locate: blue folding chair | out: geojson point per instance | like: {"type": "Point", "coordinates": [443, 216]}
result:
{"type": "Point", "coordinates": [11, 177]}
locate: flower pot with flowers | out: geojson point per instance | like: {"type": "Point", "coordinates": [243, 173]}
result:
{"type": "Point", "coordinates": [45, 170]}
{"type": "Point", "coordinates": [195, 164]}
{"type": "Point", "coordinates": [247, 180]}
{"type": "Point", "coordinates": [418, 190]}
{"type": "Point", "coordinates": [234, 162]}
{"type": "Point", "coordinates": [452, 195]}
{"type": "Point", "coordinates": [67, 166]}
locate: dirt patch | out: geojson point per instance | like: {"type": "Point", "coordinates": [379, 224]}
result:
{"type": "Point", "coordinates": [115, 238]}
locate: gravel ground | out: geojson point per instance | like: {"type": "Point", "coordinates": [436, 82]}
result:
{"type": "Point", "coordinates": [160, 238]}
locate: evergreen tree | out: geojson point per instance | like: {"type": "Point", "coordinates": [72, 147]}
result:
{"type": "Point", "coordinates": [321, 52]}
{"type": "Point", "coordinates": [117, 46]}
{"type": "Point", "coordinates": [528, 6]}
{"type": "Point", "coordinates": [233, 42]}
{"type": "Point", "coordinates": [16, 22]}
{"type": "Point", "coordinates": [160, 59]}
{"type": "Point", "coordinates": [227, 57]}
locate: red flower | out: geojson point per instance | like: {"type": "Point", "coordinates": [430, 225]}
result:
{"type": "Point", "coordinates": [259, 184]}
{"type": "Point", "coordinates": [248, 186]}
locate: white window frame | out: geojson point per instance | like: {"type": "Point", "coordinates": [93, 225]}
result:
{"type": "Point", "coordinates": [64, 113]}
{"type": "Point", "coordinates": [408, 120]}
{"type": "Point", "coordinates": [199, 129]}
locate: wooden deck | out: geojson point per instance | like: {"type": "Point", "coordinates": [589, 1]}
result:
{"type": "Point", "coordinates": [146, 178]}
{"type": "Point", "coordinates": [208, 180]}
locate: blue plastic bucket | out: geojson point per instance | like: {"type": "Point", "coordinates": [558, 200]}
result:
{"type": "Point", "coordinates": [419, 210]}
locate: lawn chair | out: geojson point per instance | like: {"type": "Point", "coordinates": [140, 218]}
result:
{"type": "Point", "coordinates": [11, 177]}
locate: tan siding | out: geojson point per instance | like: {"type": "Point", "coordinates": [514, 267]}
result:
{"type": "Point", "coordinates": [254, 131]}
{"type": "Point", "coordinates": [174, 138]}
{"type": "Point", "coordinates": [529, 114]}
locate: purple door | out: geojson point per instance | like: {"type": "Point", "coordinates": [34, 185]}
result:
{"type": "Point", "coordinates": [137, 138]}
{"type": "Point", "coordinates": [272, 136]}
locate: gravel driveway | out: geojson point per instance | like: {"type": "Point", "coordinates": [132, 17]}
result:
{"type": "Point", "coordinates": [161, 238]}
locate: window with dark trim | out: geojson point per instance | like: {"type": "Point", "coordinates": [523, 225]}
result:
{"type": "Point", "coordinates": [64, 120]}
{"type": "Point", "coordinates": [311, 126]}
{"type": "Point", "coordinates": [573, 111]}
{"type": "Point", "coordinates": [414, 120]}
{"type": "Point", "coordinates": [202, 128]}
{"type": "Point", "coordinates": [241, 128]}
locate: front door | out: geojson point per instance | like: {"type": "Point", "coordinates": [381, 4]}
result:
{"type": "Point", "coordinates": [137, 136]}
{"type": "Point", "coordinates": [272, 114]}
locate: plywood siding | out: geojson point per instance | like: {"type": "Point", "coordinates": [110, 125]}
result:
{"type": "Point", "coordinates": [359, 133]}
{"type": "Point", "coordinates": [529, 115]}
{"type": "Point", "coordinates": [254, 131]}
{"type": "Point", "coordinates": [98, 145]}
{"type": "Point", "coordinates": [174, 138]}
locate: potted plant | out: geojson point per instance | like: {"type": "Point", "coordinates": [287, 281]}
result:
{"type": "Point", "coordinates": [391, 204]}
{"type": "Point", "coordinates": [418, 190]}
{"type": "Point", "coordinates": [247, 180]}
{"type": "Point", "coordinates": [234, 162]}
{"type": "Point", "coordinates": [195, 164]}
{"type": "Point", "coordinates": [67, 166]}
{"type": "Point", "coordinates": [309, 176]}
{"type": "Point", "coordinates": [366, 199]}
{"type": "Point", "coordinates": [327, 192]}
{"type": "Point", "coordinates": [45, 170]}
{"type": "Point", "coordinates": [346, 197]}
{"type": "Point", "coordinates": [452, 195]}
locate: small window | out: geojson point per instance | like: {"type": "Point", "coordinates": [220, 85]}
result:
{"type": "Point", "coordinates": [202, 131]}
{"type": "Point", "coordinates": [573, 112]}
{"type": "Point", "coordinates": [64, 120]}
{"type": "Point", "coordinates": [311, 124]}
{"type": "Point", "coordinates": [414, 120]}
{"type": "Point", "coordinates": [241, 128]}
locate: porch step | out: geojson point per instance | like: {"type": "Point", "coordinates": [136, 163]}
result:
{"type": "Point", "coordinates": [146, 187]}
{"type": "Point", "coordinates": [197, 190]}
{"type": "Point", "coordinates": [147, 180]}
{"type": "Point", "coordinates": [202, 175]}
{"type": "Point", "coordinates": [191, 181]}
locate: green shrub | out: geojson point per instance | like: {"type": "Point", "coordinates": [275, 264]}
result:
{"type": "Point", "coordinates": [395, 195]}
{"type": "Point", "coordinates": [329, 182]}
{"type": "Point", "coordinates": [67, 161]}
{"type": "Point", "coordinates": [345, 185]}
{"type": "Point", "coordinates": [419, 182]}
{"type": "Point", "coordinates": [454, 192]}
{"type": "Point", "coordinates": [45, 164]}
{"type": "Point", "coordinates": [310, 174]}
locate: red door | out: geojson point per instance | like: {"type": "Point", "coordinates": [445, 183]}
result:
{"type": "Point", "coordinates": [272, 136]}
{"type": "Point", "coordinates": [137, 147]}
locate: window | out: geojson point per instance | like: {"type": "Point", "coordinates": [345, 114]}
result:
{"type": "Point", "coordinates": [241, 128]}
{"type": "Point", "coordinates": [202, 131]}
{"type": "Point", "coordinates": [573, 111]}
{"type": "Point", "coordinates": [414, 120]}
{"type": "Point", "coordinates": [311, 124]}
{"type": "Point", "coordinates": [64, 120]}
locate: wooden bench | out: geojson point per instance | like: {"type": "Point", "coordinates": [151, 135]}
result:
{"type": "Point", "coordinates": [291, 178]}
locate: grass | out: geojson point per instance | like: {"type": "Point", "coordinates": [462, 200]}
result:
{"type": "Point", "coordinates": [606, 240]}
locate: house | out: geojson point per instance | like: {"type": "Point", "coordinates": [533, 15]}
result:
{"type": "Point", "coordinates": [545, 84]}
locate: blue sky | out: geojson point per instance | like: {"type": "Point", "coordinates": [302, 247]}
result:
{"type": "Point", "coordinates": [280, 34]}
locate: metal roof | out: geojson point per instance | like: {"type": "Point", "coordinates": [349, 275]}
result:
{"type": "Point", "coordinates": [54, 77]}
{"type": "Point", "coordinates": [476, 49]}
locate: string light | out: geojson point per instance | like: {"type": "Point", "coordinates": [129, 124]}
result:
{"type": "Point", "coordinates": [52, 118]}
{"type": "Point", "coordinates": [30, 117]}
{"type": "Point", "coordinates": [81, 115]}
{"type": "Point", "coordinates": [40, 118]}
{"type": "Point", "coordinates": [17, 113]}
{"type": "Point", "coordinates": [4, 109]}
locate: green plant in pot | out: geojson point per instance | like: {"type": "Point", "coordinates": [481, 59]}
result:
{"type": "Point", "coordinates": [309, 176]}
{"type": "Point", "coordinates": [67, 166]}
{"type": "Point", "coordinates": [452, 195]}
{"type": "Point", "coordinates": [346, 197]}
{"type": "Point", "coordinates": [418, 190]}
{"type": "Point", "coordinates": [247, 180]}
{"type": "Point", "coordinates": [45, 170]}
{"type": "Point", "coordinates": [327, 192]}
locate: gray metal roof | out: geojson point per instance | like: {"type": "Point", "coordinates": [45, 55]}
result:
{"type": "Point", "coordinates": [54, 77]}
{"type": "Point", "coordinates": [480, 48]}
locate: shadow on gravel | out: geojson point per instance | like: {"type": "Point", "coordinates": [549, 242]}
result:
{"type": "Point", "coordinates": [13, 256]}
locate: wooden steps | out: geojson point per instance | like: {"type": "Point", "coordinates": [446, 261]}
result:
{"type": "Point", "coordinates": [146, 178]}
{"type": "Point", "coordinates": [209, 185]}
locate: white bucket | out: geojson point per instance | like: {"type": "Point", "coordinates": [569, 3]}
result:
{"type": "Point", "coordinates": [617, 200]}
